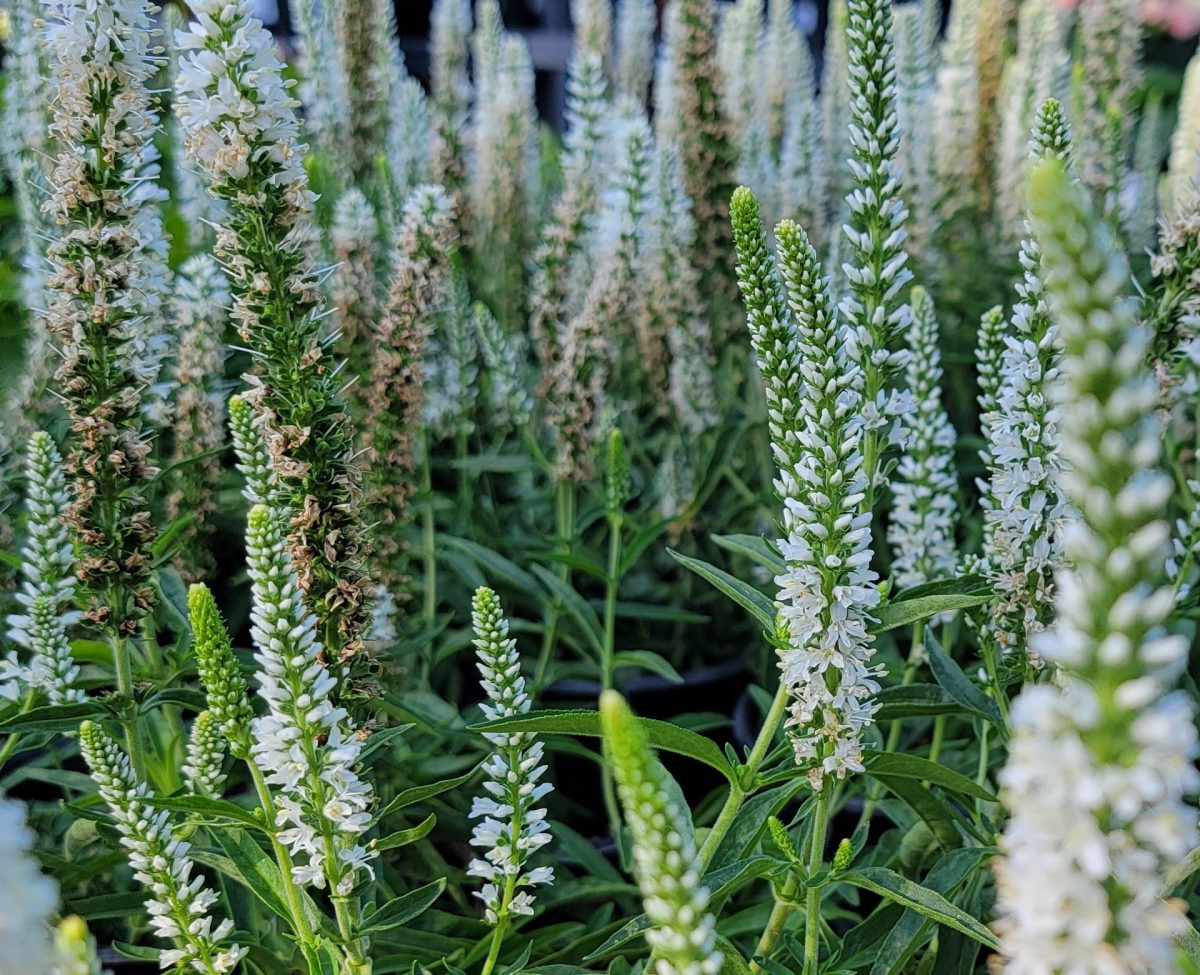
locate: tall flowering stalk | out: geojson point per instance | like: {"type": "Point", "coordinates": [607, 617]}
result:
{"type": "Point", "coordinates": [502, 173]}
{"type": "Point", "coordinates": [1182, 181]}
{"type": "Point", "coordinates": [1100, 761]}
{"type": "Point", "coordinates": [505, 374]}
{"type": "Point", "coordinates": [873, 311]}
{"type": "Point", "coordinates": [788, 80]}
{"type": "Point", "coordinates": [451, 373]}
{"type": "Point", "coordinates": [201, 301]}
{"type": "Point", "coordinates": [1024, 507]}
{"type": "Point", "coordinates": [555, 275]}
{"type": "Point", "coordinates": [835, 108]}
{"type": "Point", "coordinates": [989, 353]}
{"type": "Point", "coordinates": [682, 933]}
{"type": "Point", "coordinates": [579, 374]}
{"type": "Point", "coordinates": [354, 286]}
{"type": "Point", "coordinates": [369, 53]}
{"type": "Point", "coordinates": [394, 395]}
{"type": "Point", "coordinates": [1040, 69]}
{"type": "Point", "coordinates": [451, 91]}
{"type": "Point", "coordinates": [178, 903]}
{"type": "Point", "coordinates": [203, 767]}
{"type": "Point", "coordinates": [48, 583]}
{"type": "Point", "coordinates": [198, 209]}
{"type": "Point", "coordinates": [241, 128]}
{"type": "Point", "coordinates": [323, 89]}
{"type": "Point", "coordinates": [674, 309]}
{"type": "Point", "coordinates": [924, 495]}
{"type": "Point", "coordinates": [103, 124]}
{"type": "Point", "coordinates": [512, 825]}
{"type": "Point", "coordinates": [306, 745]}
{"type": "Point", "coordinates": [814, 399]}
{"type": "Point", "coordinates": [253, 461]}
{"type": "Point", "coordinates": [703, 139]}
{"type": "Point", "coordinates": [916, 88]}
{"type": "Point", "coordinates": [27, 120]}
{"type": "Point", "coordinates": [25, 154]}
{"type": "Point", "coordinates": [409, 138]}
{"type": "Point", "coordinates": [1106, 82]}
{"type": "Point", "coordinates": [634, 68]}
{"type": "Point", "coordinates": [955, 111]}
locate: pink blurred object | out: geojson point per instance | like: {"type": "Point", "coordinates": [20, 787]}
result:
{"type": "Point", "coordinates": [1181, 18]}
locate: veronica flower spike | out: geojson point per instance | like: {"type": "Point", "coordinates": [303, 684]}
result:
{"type": "Point", "coordinates": [513, 825]}
{"type": "Point", "coordinates": [1101, 763]}
{"type": "Point", "coordinates": [48, 568]}
{"type": "Point", "coordinates": [179, 904]}
{"type": "Point", "coordinates": [304, 743]}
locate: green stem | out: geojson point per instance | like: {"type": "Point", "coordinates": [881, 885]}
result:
{"type": "Point", "coordinates": [608, 653]}
{"type": "Point", "coordinates": [497, 941]}
{"type": "Point", "coordinates": [939, 736]}
{"type": "Point", "coordinates": [124, 668]}
{"type": "Point", "coordinates": [611, 583]}
{"type": "Point", "coordinates": [291, 895]}
{"type": "Point", "coordinates": [982, 772]}
{"type": "Point", "coordinates": [564, 518]}
{"type": "Point", "coordinates": [784, 906]}
{"type": "Point", "coordinates": [745, 785]}
{"type": "Point", "coordinates": [11, 744]}
{"type": "Point", "coordinates": [465, 493]}
{"type": "Point", "coordinates": [812, 907]}
{"type": "Point", "coordinates": [428, 541]}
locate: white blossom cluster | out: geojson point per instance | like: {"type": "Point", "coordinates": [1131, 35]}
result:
{"type": "Point", "coordinates": [249, 446]}
{"type": "Point", "coordinates": [768, 85]}
{"type": "Point", "coordinates": [1040, 69]}
{"type": "Point", "coordinates": [179, 904]}
{"type": "Point", "coordinates": [513, 827]}
{"type": "Point", "coordinates": [916, 35]}
{"type": "Point", "coordinates": [1024, 508]}
{"type": "Point", "coordinates": [1181, 185]}
{"type": "Point", "coordinates": [814, 404]}
{"type": "Point", "coordinates": [48, 584]}
{"type": "Point", "coordinates": [955, 111]}
{"type": "Point", "coordinates": [29, 898]}
{"type": "Point", "coordinates": [353, 285]}
{"type": "Point", "coordinates": [199, 210]}
{"type": "Point", "coordinates": [502, 155]}
{"type": "Point", "coordinates": [505, 368]}
{"type": "Point", "coordinates": [874, 313]}
{"type": "Point", "coordinates": [305, 744]}
{"type": "Point", "coordinates": [450, 372]}
{"type": "Point", "coordinates": [1109, 42]}
{"type": "Point", "coordinates": [924, 491]}
{"type": "Point", "coordinates": [203, 766]}
{"type": "Point", "coordinates": [26, 120]}
{"type": "Point", "coordinates": [323, 91]}
{"type": "Point", "coordinates": [634, 68]}
{"type": "Point", "coordinates": [673, 302]}
{"type": "Point", "coordinates": [225, 55]}
{"type": "Point", "coordinates": [1101, 760]}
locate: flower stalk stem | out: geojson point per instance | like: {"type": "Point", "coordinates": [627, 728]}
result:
{"type": "Point", "coordinates": [740, 792]}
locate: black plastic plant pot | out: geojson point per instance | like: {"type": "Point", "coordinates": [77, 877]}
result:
{"type": "Point", "coordinates": [714, 690]}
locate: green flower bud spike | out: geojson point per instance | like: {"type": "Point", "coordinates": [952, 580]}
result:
{"type": "Point", "coordinates": [683, 935]}
{"type": "Point", "coordinates": [616, 479]}
{"type": "Point", "coordinates": [220, 672]}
